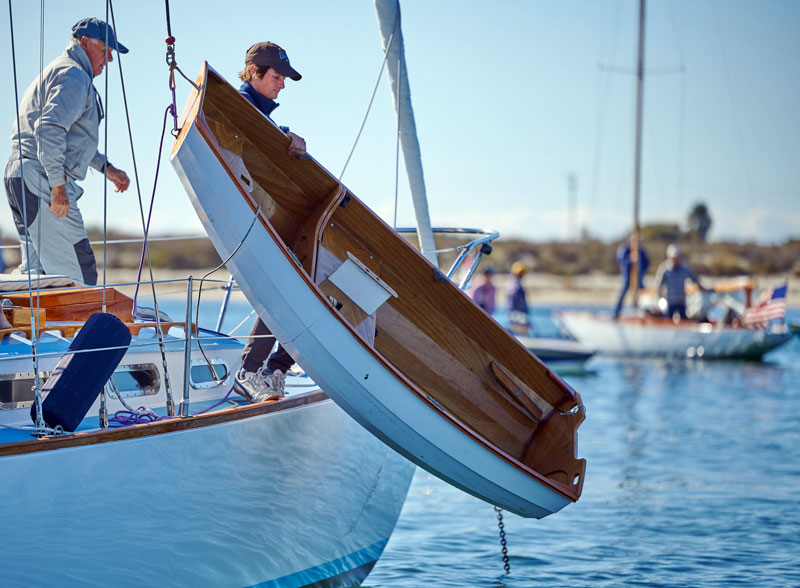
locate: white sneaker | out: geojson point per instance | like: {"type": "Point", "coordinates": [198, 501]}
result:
{"type": "Point", "coordinates": [277, 382]}
{"type": "Point", "coordinates": [254, 386]}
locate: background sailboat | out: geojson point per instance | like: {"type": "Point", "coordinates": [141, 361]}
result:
{"type": "Point", "coordinates": [645, 334]}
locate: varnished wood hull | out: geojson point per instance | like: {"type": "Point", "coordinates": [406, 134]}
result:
{"type": "Point", "coordinates": [429, 372]}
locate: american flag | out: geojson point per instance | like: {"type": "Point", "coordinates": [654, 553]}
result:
{"type": "Point", "coordinates": [771, 304]}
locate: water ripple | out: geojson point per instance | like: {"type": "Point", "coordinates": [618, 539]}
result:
{"type": "Point", "coordinates": [692, 480]}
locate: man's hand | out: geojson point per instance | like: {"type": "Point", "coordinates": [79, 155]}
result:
{"type": "Point", "coordinates": [297, 147]}
{"type": "Point", "coordinates": [118, 177]}
{"type": "Point", "coordinates": [59, 203]}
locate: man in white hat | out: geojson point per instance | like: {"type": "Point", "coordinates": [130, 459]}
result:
{"type": "Point", "coordinates": [53, 145]}
{"type": "Point", "coordinates": [672, 275]}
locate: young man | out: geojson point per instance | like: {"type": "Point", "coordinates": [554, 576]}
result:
{"type": "Point", "coordinates": [52, 148]}
{"type": "Point", "coordinates": [266, 68]}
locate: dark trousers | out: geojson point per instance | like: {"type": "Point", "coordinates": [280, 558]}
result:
{"type": "Point", "coordinates": [258, 349]}
{"type": "Point", "coordinates": [679, 309]}
{"type": "Point", "coordinates": [626, 281]}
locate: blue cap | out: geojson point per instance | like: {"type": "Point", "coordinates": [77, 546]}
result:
{"type": "Point", "coordinates": [94, 28]}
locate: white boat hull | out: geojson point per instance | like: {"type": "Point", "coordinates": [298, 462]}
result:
{"type": "Point", "coordinates": [560, 355]}
{"type": "Point", "coordinates": [348, 371]}
{"type": "Point", "coordinates": [286, 498]}
{"type": "Point", "coordinates": [685, 340]}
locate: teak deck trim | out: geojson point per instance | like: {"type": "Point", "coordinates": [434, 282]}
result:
{"type": "Point", "coordinates": [84, 438]}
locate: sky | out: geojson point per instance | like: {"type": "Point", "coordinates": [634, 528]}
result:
{"type": "Point", "coordinates": [511, 99]}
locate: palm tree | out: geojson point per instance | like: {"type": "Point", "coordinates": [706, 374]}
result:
{"type": "Point", "coordinates": [700, 220]}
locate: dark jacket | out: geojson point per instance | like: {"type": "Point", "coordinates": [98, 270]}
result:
{"type": "Point", "coordinates": [264, 105]}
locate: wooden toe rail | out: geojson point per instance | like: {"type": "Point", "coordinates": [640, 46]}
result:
{"type": "Point", "coordinates": [69, 330]}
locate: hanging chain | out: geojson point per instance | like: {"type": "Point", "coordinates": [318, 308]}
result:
{"type": "Point", "coordinates": [504, 548]}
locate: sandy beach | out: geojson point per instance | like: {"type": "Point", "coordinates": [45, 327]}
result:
{"type": "Point", "coordinates": [592, 289]}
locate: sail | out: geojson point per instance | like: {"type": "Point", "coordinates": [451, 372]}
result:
{"type": "Point", "coordinates": [389, 21]}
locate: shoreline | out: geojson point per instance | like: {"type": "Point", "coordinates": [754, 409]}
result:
{"type": "Point", "coordinates": [582, 290]}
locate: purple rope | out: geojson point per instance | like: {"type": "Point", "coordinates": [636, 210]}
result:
{"type": "Point", "coordinates": [126, 418]}
{"type": "Point", "coordinates": [224, 398]}
{"type": "Point", "coordinates": [150, 213]}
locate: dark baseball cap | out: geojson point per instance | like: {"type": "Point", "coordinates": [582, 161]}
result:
{"type": "Point", "coordinates": [273, 56]}
{"type": "Point", "coordinates": [94, 28]}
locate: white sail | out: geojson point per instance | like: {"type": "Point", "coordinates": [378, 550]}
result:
{"type": "Point", "coordinates": [389, 20]}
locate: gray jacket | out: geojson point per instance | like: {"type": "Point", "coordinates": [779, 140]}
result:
{"type": "Point", "coordinates": [63, 108]}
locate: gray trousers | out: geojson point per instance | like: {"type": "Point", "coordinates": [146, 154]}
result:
{"type": "Point", "coordinates": [55, 246]}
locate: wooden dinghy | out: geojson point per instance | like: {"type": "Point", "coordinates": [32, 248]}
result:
{"type": "Point", "coordinates": [380, 329]}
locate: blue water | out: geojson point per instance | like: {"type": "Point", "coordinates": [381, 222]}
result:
{"type": "Point", "coordinates": [692, 480]}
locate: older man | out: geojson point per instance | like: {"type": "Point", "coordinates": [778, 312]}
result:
{"type": "Point", "coordinates": [671, 276]}
{"type": "Point", "coordinates": [54, 142]}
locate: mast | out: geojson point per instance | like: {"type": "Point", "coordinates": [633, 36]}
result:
{"type": "Point", "coordinates": [389, 21]}
{"type": "Point", "coordinates": [637, 166]}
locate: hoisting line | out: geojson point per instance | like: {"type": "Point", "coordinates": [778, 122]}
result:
{"type": "Point", "coordinates": [173, 67]}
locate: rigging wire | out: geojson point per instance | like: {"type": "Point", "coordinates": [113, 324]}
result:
{"type": "Point", "coordinates": [39, 421]}
{"type": "Point", "coordinates": [39, 270]}
{"type": "Point", "coordinates": [105, 154]}
{"type": "Point", "coordinates": [369, 106]}
{"type": "Point", "coordinates": [145, 229]}
{"type": "Point", "coordinates": [736, 122]}
{"type": "Point", "coordinates": [200, 292]}
{"type": "Point", "coordinates": [601, 106]}
{"type": "Point", "coordinates": [678, 30]}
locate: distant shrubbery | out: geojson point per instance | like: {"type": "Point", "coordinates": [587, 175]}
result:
{"type": "Point", "coordinates": [553, 257]}
{"type": "Point", "coordinates": [721, 259]}
{"type": "Point", "coordinates": [711, 259]}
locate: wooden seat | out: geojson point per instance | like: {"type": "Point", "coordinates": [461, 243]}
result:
{"type": "Point", "coordinates": [75, 304]}
{"type": "Point", "coordinates": [306, 243]}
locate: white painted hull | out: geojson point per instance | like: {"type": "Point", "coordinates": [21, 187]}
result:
{"type": "Point", "coordinates": [281, 499]}
{"type": "Point", "coordinates": [560, 355]}
{"type": "Point", "coordinates": [349, 372]}
{"type": "Point", "coordinates": [685, 340]}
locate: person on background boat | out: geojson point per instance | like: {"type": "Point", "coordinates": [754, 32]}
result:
{"type": "Point", "coordinates": [54, 143]}
{"type": "Point", "coordinates": [484, 293]}
{"type": "Point", "coordinates": [672, 275]}
{"type": "Point", "coordinates": [625, 266]}
{"type": "Point", "coordinates": [263, 77]}
{"type": "Point", "coordinates": [519, 322]}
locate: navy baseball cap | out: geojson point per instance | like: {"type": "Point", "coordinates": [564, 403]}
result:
{"type": "Point", "coordinates": [269, 54]}
{"type": "Point", "coordinates": [94, 28]}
